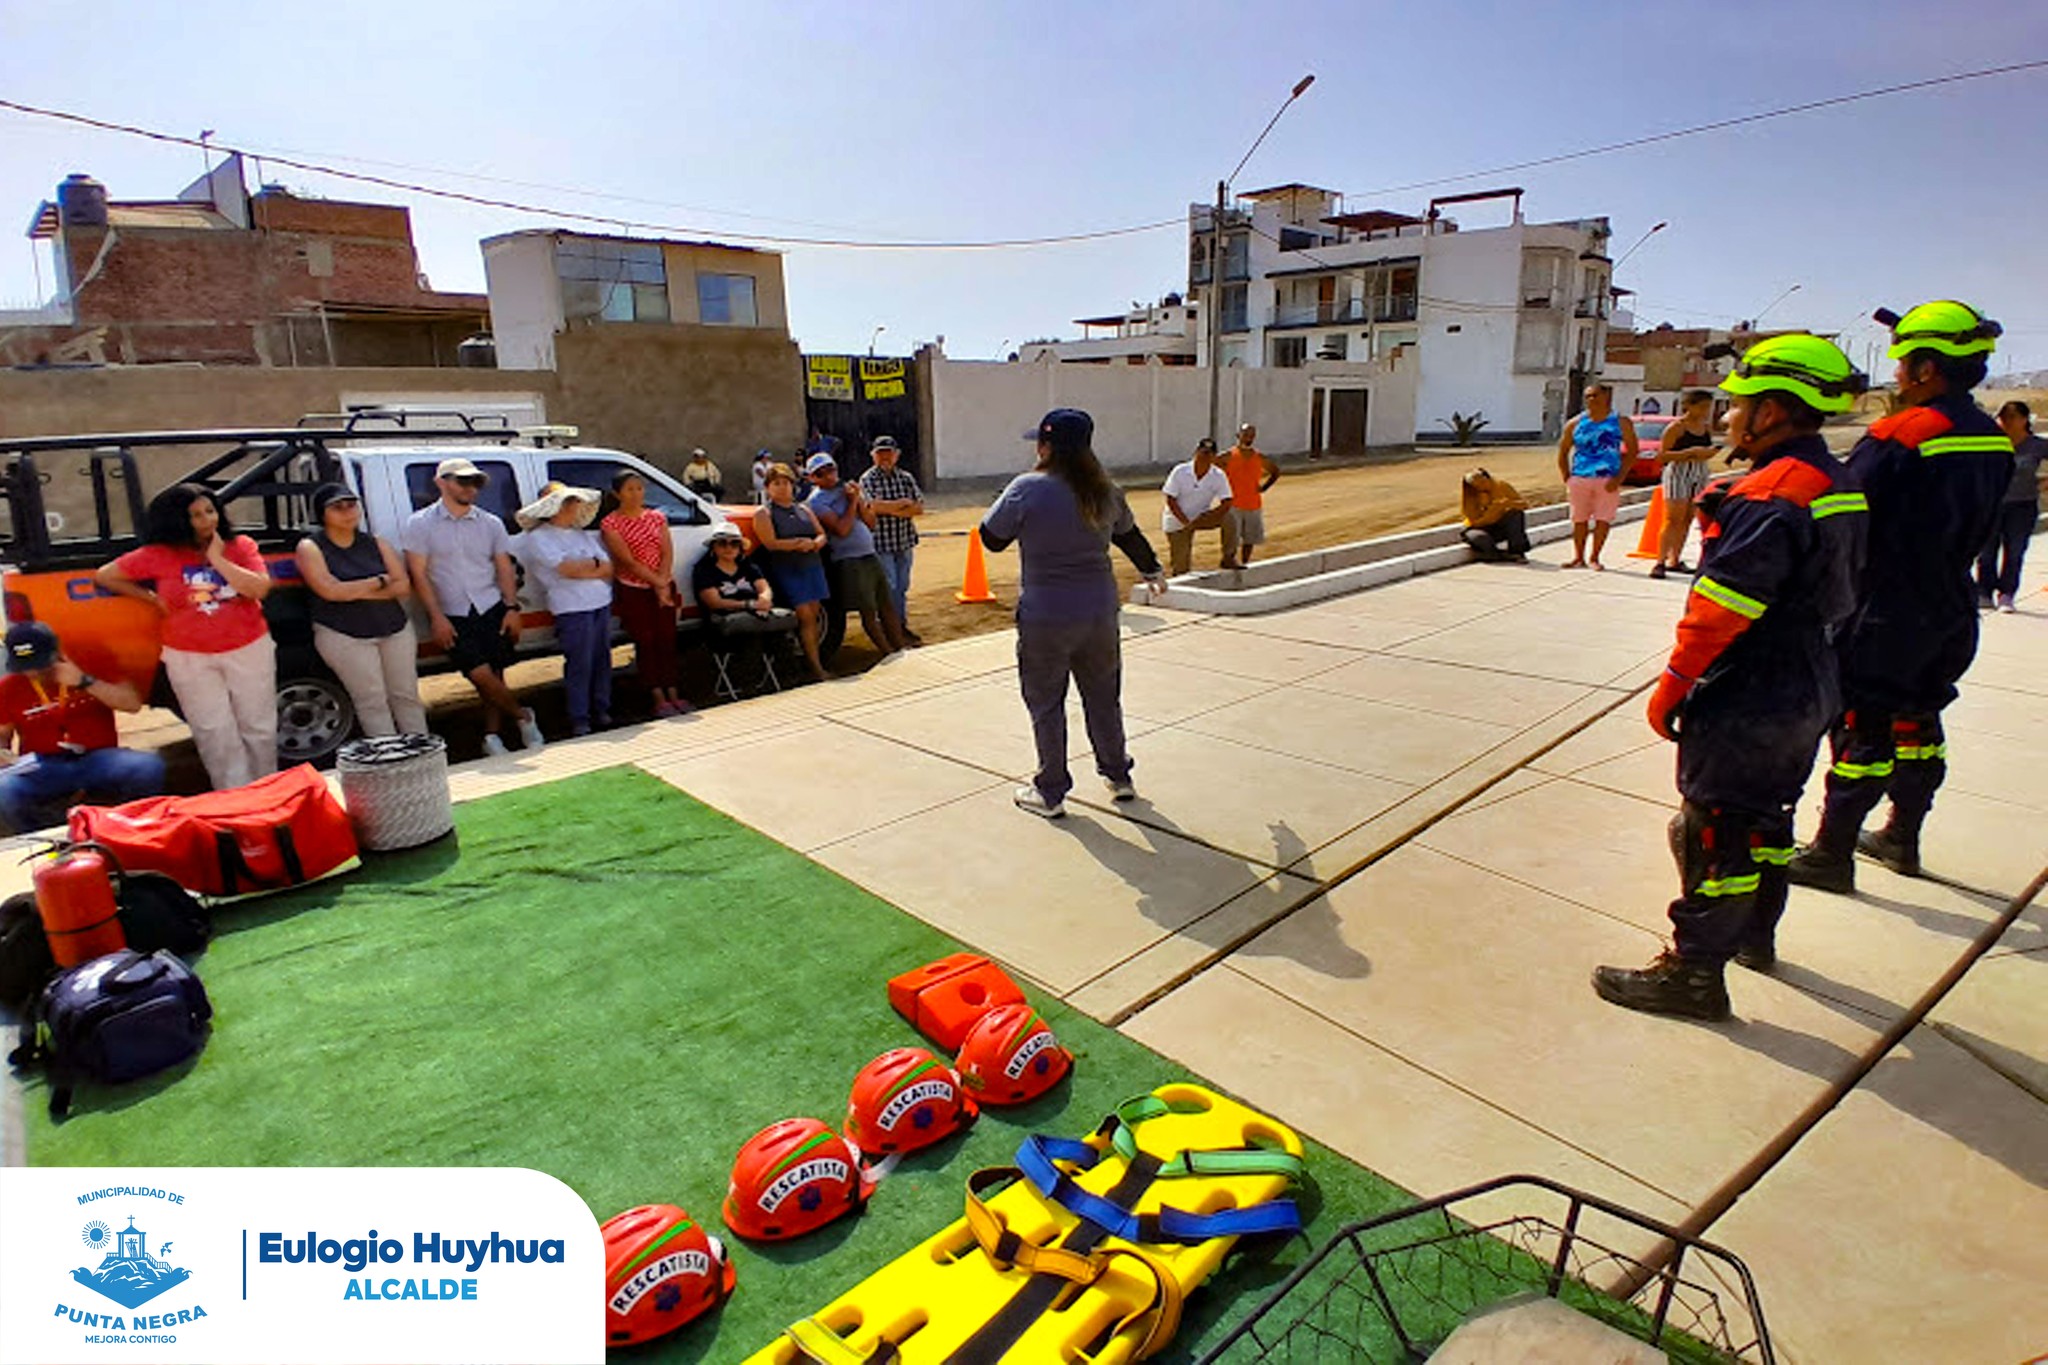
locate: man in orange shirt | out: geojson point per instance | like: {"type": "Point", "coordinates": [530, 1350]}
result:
{"type": "Point", "coordinates": [1251, 474]}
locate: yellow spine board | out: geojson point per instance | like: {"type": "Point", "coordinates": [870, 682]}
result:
{"type": "Point", "coordinates": [932, 1299]}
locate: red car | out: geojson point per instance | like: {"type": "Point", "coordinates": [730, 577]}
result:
{"type": "Point", "coordinates": [1650, 429]}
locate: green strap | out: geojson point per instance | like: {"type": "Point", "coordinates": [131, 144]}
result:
{"type": "Point", "coordinates": [1723, 595]}
{"type": "Point", "coordinates": [1961, 445]}
{"type": "Point", "coordinates": [1843, 768]}
{"type": "Point", "coordinates": [1775, 857]}
{"type": "Point", "coordinates": [1195, 1165]}
{"type": "Point", "coordinates": [1921, 753]}
{"type": "Point", "coordinates": [1730, 886]}
{"type": "Point", "coordinates": [1835, 503]}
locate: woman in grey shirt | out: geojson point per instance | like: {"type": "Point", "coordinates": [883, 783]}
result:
{"type": "Point", "coordinates": [1063, 516]}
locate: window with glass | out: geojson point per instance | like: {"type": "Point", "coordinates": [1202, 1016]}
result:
{"type": "Point", "coordinates": [726, 300]}
{"type": "Point", "coordinates": [500, 491]}
{"type": "Point", "coordinates": [583, 471]}
{"type": "Point", "coordinates": [1233, 317]}
{"type": "Point", "coordinates": [1290, 353]}
{"type": "Point", "coordinates": [612, 280]}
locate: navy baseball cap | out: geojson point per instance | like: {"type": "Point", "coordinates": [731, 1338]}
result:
{"type": "Point", "coordinates": [1067, 427]}
{"type": "Point", "coordinates": [31, 646]}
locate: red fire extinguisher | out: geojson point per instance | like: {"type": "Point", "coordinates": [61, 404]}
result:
{"type": "Point", "coordinates": [75, 897]}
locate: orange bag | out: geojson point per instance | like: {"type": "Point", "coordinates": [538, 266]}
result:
{"type": "Point", "coordinates": [278, 831]}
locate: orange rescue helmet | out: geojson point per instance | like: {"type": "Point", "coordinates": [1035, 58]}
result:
{"type": "Point", "coordinates": [906, 1099]}
{"type": "Point", "coordinates": [660, 1271]}
{"type": "Point", "coordinates": [1011, 1056]}
{"type": "Point", "coordinates": [791, 1177]}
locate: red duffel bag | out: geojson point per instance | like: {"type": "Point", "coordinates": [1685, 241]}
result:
{"type": "Point", "coordinates": [278, 831]}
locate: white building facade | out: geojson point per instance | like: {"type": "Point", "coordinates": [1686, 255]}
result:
{"type": "Point", "coordinates": [1509, 322]}
{"type": "Point", "coordinates": [1166, 329]}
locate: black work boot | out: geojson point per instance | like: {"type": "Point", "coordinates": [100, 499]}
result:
{"type": "Point", "coordinates": [1669, 985]}
{"type": "Point", "coordinates": [1759, 955]}
{"type": "Point", "coordinates": [1823, 869]}
{"type": "Point", "coordinates": [1899, 852]}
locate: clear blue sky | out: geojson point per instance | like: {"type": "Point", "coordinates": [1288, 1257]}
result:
{"type": "Point", "coordinates": [951, 121]}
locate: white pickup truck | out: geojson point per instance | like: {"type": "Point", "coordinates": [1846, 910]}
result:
{"type": "Point", "coordinates": [265, 479]}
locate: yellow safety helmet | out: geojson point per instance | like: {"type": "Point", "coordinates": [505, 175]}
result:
{"type": "Point", "coordinates": [1944, 325]}
{"type": "Point", "coordinates": [1810, 368]}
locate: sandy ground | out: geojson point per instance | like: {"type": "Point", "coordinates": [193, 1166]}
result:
{"type": "Point", "coordinates": [1315, 504]}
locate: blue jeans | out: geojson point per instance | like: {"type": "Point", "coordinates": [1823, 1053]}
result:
{"type": "Point", "coordinates": [33, 790]}
{"type": "Point", "coordinates": [896, 568]}
{"type": "Point", "coordinates": [586, 638]}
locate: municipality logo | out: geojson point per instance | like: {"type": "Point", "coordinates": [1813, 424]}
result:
{"type": "Point", "coordinates": [128, 1273]}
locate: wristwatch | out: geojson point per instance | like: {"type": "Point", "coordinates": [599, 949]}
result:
{"type": "Point", "coordinates": [86, 680]}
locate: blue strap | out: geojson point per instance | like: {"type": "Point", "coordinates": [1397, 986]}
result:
{"type": "Point", "coordinates": [1036, 1158]}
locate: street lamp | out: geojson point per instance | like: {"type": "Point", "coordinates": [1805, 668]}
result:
{"type": "Point", "coordinates": [1214, 308]}
{"type": "Point", "coordinates": [874, 338]}
{"type": "Point", "coordinates": [1756, 323]}
{"type": "Point", "coordinates": [1639, 242]}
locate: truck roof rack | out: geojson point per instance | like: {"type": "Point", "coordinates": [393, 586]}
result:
{"type": "Point", "coordinates": [403, 418]}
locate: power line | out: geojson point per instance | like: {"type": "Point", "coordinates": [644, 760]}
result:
{"type": "Point", "coordinates": [484, 201]}
{"type": "Point", "coordinates": [1715, 126]}
{"type": "Point", "coordinates": [607, 220]}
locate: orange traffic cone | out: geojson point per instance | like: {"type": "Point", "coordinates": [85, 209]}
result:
{"type": "Point", "coordinates": [1650, 546]}
{"type": "Point", "coordinates": [974, 587]}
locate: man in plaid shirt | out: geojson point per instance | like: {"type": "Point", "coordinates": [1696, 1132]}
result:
{"type": "Point", "coordinates": [895, 498]}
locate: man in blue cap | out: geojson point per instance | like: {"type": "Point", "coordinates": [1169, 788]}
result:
{"type": "Point", "coordinates": [58, 739]}
{"type": "Point", "coordinates": [1063, 516]}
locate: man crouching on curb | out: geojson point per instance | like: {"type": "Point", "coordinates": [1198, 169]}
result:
{"type": "Point", "coordinates": [1753, 683]}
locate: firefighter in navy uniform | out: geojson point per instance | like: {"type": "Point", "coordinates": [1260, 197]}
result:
{"type": "Point", "coordinates": [1935, 473]}
{"type": "Point", "coordinates": [1752, 683]}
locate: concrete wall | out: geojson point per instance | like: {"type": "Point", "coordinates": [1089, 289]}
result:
{"type": "Point", "coordinates": [186, 398]}
{"type": "Point", "coordinates": [1144, 415]}
{"type": "Point", "coordinates": [658, 389]}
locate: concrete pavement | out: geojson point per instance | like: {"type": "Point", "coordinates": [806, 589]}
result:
{"type": "Point", "coordinates": [1381, 842]}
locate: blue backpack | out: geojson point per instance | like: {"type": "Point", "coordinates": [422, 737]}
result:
{"type": "Point", "coordinates": [116, 1018]}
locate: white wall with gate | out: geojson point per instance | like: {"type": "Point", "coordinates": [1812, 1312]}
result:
{"type": "Point", "coordinates": [1148, 414]}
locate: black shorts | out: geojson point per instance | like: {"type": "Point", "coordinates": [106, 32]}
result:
{"type": "Point", "coordinates": [480, 641]}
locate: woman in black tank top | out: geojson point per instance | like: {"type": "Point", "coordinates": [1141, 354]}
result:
{"type": "Point", "coordinates": [1683, 478]}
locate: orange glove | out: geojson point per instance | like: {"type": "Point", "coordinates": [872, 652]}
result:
{"type": "Point", "coordinates": [1665, 699]}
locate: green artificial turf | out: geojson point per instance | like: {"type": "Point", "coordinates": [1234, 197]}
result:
{"type": "Point", "coordinates": [612, 983]}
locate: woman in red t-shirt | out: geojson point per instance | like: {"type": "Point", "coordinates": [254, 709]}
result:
{"type": "Point", "coordinates": [644, 587]}
{"type": "Point", "coordinates": [209, 583]}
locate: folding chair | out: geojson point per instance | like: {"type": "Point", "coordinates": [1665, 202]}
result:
{"type": "Point", "coordinates": [737, 635]}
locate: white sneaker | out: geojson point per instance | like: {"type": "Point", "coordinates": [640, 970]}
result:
{"type": "Point", "coordinates": [1121, 791]}
{"type": "Point", "coordinates": [1031, 799]}
{"type": "Point", "coordinates": [529, 731]}
{"type": "Point", "coordinates": [2006, 604]}
{"type": "Point", "coordinates": [494, 746]}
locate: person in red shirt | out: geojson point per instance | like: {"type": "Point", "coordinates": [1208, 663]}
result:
{"type": "Point", "coordinates": [58, 741]}
{"type": "Point", "coordinates": [209, 583]}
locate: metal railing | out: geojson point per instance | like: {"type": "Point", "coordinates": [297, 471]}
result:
{"type": "Point", "coordinates": [1396, 308]}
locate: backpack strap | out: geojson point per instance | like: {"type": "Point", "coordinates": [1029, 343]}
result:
{"type": "Point", "coordinates": [229, 855]}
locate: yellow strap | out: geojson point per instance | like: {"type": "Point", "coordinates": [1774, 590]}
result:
{"type": "Point", "coordinates": [821, 1344]}
{"type": "Point", "coordinates": [1082, 1269]}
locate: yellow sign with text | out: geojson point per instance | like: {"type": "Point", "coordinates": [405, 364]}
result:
{"type": "Point", "coordinates": [829, 376]}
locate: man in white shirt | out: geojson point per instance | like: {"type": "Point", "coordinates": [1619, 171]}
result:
{"type": "Point", "coordinates": [1197, 499]}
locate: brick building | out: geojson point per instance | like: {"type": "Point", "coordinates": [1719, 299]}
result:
{"type": "Point", "coordinates": [223, 277]}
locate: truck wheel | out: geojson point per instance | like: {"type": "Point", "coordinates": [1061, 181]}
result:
{"type": "Point", "coordinates": [314, 715]}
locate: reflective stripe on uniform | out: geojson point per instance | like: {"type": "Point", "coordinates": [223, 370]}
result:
{"type": "Point", "coordinates": [1835, 503]}
{"type": "Point", "coordinates": [1730, 886]}
{"type": "Point", "coordinates": [1842, 768]}
{"type": "Point", "coordinates": [1921, 753]}
{"type": "Point", "coordinates": [1776, 857]}
{"type": "Point", "coordinates": [1958, 445]}
{"type": "Point", "coordinates": [1723, 595]}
